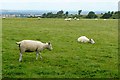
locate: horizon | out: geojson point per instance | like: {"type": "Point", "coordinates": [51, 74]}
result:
{"type": "Point", "coordinates": [46, 11]}
{"type": "Point", "coordinates": [49, 10]}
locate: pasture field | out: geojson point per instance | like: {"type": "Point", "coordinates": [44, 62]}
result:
{"type": "Point", "coordinates": [0, 49]}
{"type": "Point", "coordinates": [68, 59]}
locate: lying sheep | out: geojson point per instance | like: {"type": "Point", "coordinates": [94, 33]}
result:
{"type": "Point", "coordinates": [31, 46]}
{"type": "Point", "coordinates": [84, 39]}
{"type": "Point", "coordinates": [68, 19]}
{"type": "Point", "coordinates": [76, 19]}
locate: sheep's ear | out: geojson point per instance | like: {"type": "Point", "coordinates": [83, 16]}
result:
{"type": "Point", "coordinates": [48, 43]}
{"type": "Point", "coordinates": [90, 39]}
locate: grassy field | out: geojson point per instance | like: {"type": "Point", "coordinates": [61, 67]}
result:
{"type": "Point", "coordinates": [68, 59]}
{"type": "Point", "coordinates": [1, 48]}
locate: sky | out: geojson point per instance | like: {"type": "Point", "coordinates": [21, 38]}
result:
{"type": "Point", "coordinates": [89, 5]}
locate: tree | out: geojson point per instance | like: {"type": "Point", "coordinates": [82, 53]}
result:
{"type": "Point", "coordinates": [106, 15]}
{"type": "Point", "coordinates": [79, 12]}
{"type": "Point", "coordinates": [44, 15]}
{"type": "Point", "coordinates": [60, 14]}
{"type": "Point", "coordinates": [49, 15]}
{"type": "Point", "coordinates": [109, 12]}
{"type": "Point", "coordinates": [112, 12]}
{"type": "Point", "coordinates": [116, 15]}
{"type": "Point", "coordinates": [66, 14]}
{"type": "Point", "coordinates": [91, 15]}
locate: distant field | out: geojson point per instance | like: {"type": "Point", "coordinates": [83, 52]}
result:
{"type": "Point", "coordinates": [68, 59]}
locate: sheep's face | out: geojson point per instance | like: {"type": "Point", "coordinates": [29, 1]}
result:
{"type": "Point", "coordinates": [92, 41]}
{"type": "Point", "coordinates": [49, 46]}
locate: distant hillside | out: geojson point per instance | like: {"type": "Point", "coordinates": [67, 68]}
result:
{"type": "Point", "coordinates": [42, 11]}
{"type": "Point", "coordinates": [21, 12]}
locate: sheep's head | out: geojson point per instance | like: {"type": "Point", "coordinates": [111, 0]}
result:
{"type": "Point", "coordinates": [49, 46]}
{"type": "Point", "coordinates": [92, 41]}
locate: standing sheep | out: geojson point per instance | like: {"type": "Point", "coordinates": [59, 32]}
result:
{"type": "Point", "coordinates": [31, 46]}
{"type": "Point", "coordinates": [84, 39]}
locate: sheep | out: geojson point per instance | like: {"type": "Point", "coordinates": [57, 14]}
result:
{"type": "Point", "coordinates": [76, 19]}
{"type": "Point", "coordinates": [84, 39]}
{"type": "Point", "coordinates": [68, 19]}
{"type": "Point", "coordinates": [39, 18]}
{"type": "Point", "coordinates": [96, 19]}
{"type": "Point", "coordinates": [3, 17]}
{"type": "Point", "coordinates": [104, 19]}
{"type": "Point", "coordinates": [31, 46]}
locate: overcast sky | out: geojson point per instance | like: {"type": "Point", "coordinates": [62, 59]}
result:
{"type": "Point", "coordinates": [89, 5]}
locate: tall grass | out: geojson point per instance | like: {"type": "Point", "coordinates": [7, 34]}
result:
{"type": "Point", "coordinates": [68, 59]}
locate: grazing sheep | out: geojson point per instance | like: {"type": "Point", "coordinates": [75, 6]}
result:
{"type": "Point", "coordinates": [68, 19]}
{"type": "Point", "coordinates": [31, 46]}
{"type": "Point", "coordinates": [75, 18]}
{"type": "Point", "coordinates": [104, 19]}
{"type": "Point", "coordinates": [96, 19]}
{"type": "Point", "coordinates": [84, 39]}
{"type": "Point", "coordinates": [3, 17]}
{"type": "Point", "coordinates": [39, 18]}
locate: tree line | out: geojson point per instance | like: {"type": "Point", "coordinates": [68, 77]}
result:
{"type": "Point", "coordinates": [90, 15]}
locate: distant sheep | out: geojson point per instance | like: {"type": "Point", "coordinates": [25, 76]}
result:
{"type": "Point", "coordinates": [104, 19]}
{"type": "Point", "coordinates": [96, 19]}
{"type": "Point", "coordinates": [31, 46]}
{"type": "Point", "coordinates": [39, 18]}
{"type": "Point", "coordinates": [84, 39]}
{"type": "Point", "coordinates": [3, 17]}
{"type": "Point", "coordinates": [76, 19]}
{"type": "Point", "coordinates": [68, 19]}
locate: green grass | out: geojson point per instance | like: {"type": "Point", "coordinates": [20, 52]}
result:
{"type": "Point", "coordinates": [68, 59]}
{"type": "Point", "coordinates": [1, 48]}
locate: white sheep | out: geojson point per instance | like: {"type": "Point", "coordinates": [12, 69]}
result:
{"type": "Point", "coordinates": [75, 18]}
{"type": "Point", "coordinates": [31, 46]}
{"type": "Point", "coordinates": [3, 17]}
{"type": "Point", "coordinates": [39, 18]}
{"type": "Point", "coordinates": [104, 19]}
{"type": "Point", "coordinates": [84, 39]}
{"type": "Point", "coordinates": [68, 19]}
{"type": "Point", "coordinates": [96, 19]}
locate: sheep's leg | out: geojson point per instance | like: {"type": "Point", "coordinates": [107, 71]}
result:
{"type": "Point", "coordinates": [20, 59]}
{"type": "Point", "coordinates": [40, 56]}
{"type": "Point", "coordinates": [37, 55]}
